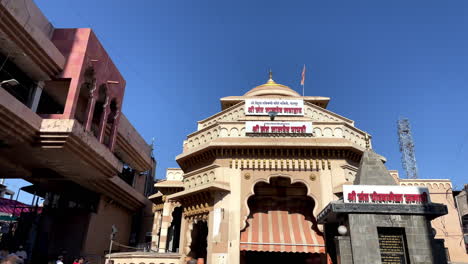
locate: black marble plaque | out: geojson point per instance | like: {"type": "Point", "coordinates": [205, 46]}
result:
{"type": "Point", "coordinates": [392, 246]}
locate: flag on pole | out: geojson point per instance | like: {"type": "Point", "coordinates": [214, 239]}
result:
{"type": "Point", "coordinates": [303, 75]}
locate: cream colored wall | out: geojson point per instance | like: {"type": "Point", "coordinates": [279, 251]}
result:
{"type": "Point", "coordinates": [174, 174]}
{"type": "Point", "coordinates": [99, 230]}
{"type": "Point", "coordinates": [448, 227]}
{"type": "Point", "coordinates": [224, 246]}
{"type": "Point", "coordinates": [142, 258]}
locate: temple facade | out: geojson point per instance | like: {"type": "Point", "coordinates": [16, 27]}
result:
{"type": "Point", "coordinates": [253, 178]}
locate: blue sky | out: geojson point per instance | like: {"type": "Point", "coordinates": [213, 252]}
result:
{"type": "Point", "coordinates": [377, 60]}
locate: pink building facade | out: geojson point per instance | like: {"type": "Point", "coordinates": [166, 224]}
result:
{"type": "Point", "coordinates": [62, 129]}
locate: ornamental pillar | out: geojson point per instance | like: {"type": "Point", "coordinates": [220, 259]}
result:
{"type": "Point", "coordinates": [90, 109]}
{"type": "Point", "coordinates": [155, 234]}
{"type": "Point", "coordinates": [103, 120]}
{"type": "Point", "coordinates": [113, 133]}
{"type": "Point", "coordinates": [165, 224]}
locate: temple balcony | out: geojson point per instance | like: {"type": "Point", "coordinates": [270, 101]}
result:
{"type": "Point", "coordinates": [321, 130]}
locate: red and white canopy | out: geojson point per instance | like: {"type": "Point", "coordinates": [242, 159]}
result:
{"type": "Point", "coordinates": [281, 231]}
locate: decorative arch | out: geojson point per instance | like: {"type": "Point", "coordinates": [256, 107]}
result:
{"type": "Point", "coordinates": [285, 205]}
{"type": "Point", "coordinates": [224, 132]}
{"type": "Point", "coordinates": [193, 246]}
{"type": "Point", "coordinates": [317, 132]}
{"type": "Point", "coordinates": [242, 132]}
{"type": "Point", "coordinates": [212, 177]}
{"type": "Point", "coordinates": [338, 132]}
{"type": "Point", "coordinates": [268, 181]}
{"type": "Point", "coordinates": [234, 132]}
{"type": "Point", "coordinates": [327, 132]}
{"type": "Point", "coordinates": [102, 99]}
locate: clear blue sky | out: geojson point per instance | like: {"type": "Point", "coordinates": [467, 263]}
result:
{"type": "Point", "coordinates": [377, 60]}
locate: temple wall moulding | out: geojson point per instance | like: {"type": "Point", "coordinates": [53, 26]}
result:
{"type": "Point", "coordinates": [158, 207]}
{"type": "Point", "coordinates": [281, 164]}
{"type": "Point", "coordinates": [196, 205]}
{"type": "Point", "coordinates": [199, 179]}
{"type": "Point", "coordinates": [236, 113]}
{"type": "Point", "coordinates": [237, 129]}
{"type": "Point", "coordinates": [197, 212]}
{"type": "Point", "coordinates": [443, 186]}
{"type": "Point", "coordinates": [317, 157]}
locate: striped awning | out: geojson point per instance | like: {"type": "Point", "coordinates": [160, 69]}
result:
{"type": "Point", "coordinates": [281, 231]}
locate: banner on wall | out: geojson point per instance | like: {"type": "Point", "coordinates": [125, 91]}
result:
{"type": "Point", "coordinates": [283, 107]}
{"type": "Point", "coordinates": [265, 127]}
{"type": "Point", "coordinates": [384, 194]}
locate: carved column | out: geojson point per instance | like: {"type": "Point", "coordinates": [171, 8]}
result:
{"type": "Point", "coordinates": [113, 133]}
{"type": "Point", "coordinates": [188, 236]}
{"type": "Point", "coordinates": [103, 120]}
{"type": "Point", "coordinates": [90, 108]}
{"type": "Point", "coordinates": [155, 234]}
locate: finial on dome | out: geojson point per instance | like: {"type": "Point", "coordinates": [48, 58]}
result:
{"type": "Point", "coordinates": [270, 81]}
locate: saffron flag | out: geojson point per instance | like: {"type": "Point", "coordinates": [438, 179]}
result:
{"type": "Point", "coordinates": [303, 76]}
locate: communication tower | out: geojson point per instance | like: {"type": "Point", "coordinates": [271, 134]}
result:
{"type": "Point", "coordinates": [408, 157]}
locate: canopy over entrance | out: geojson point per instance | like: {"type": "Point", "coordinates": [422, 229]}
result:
{"type": "Point", "coordinates": [281, 220]}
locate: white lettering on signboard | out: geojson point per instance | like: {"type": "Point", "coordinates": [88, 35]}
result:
{"type": "Point", "coordinates": [384, 194]}
{"type": "Point", "coordinates": [278, 127]}
{"type": "Point", "coordinates": [283, 107]}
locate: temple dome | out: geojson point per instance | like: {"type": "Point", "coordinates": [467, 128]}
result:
{"type": "Point", "coordinates": [271, 88]}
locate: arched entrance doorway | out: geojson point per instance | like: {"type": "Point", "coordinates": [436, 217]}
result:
{"type": "Point", "coordinates": [173, 233]}
{"type": "Point", "coordinates": [199, 245]}
{"type": "Point", "coordinates": [281, 227]}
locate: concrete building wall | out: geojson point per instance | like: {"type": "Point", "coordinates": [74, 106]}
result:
{"type": "Point", "coordinates": [27, 11]}
{"type": "Point", "coordinates": [447, 227]}
{"type": "Point", "coordinates": [100, 226]}
{"type": "Point", "coordinates": [43, 60]}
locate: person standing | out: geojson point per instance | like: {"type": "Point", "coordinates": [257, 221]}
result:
{"type": "Point", "coordinates": [21, 253]}
{"type": "Point", "coordinates": [59, 260]}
